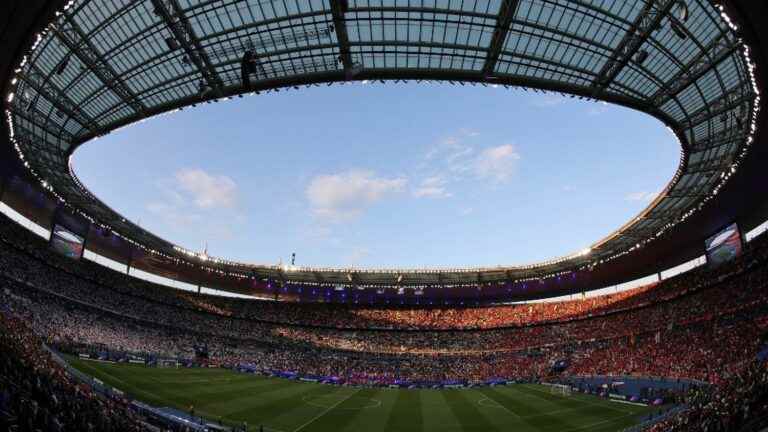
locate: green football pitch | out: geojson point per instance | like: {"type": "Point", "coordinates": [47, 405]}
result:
{"type": "Point", "coordinates": [290, 406]}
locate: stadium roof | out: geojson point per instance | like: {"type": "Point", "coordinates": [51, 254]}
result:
{"type": "Point", "coordinates": [101, 65]}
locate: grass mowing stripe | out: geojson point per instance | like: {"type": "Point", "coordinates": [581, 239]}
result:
{"type": "Point", "coordinates": [488, 395]}
{"type": "Point", "coordinates": [265, 409]}
{"type": "Point", "coordinates": [143, 394]}
{"type": "Point", "coordinates": [536, 415]}
{"type": "Point", "coordinates": [590, 413]}
{"type": "Point", "coordinates": [577, 398]}
{"type": "Point", "coordinates": [467, 412]}
{"type": "Point", "coordinates": [353, 413]}
{"type": "Point", "coordinates": [591, 426]}
{"type": "Point", "coordinates": [260, 387]}
{"type": "Point", "coordinates": [288, 406]}
{"type": "Point", "coordinates": [406, 412]}
{"type": "Point", "coordinates": [324, 412]}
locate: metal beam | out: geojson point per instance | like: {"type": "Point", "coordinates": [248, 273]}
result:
{"type": "Point", "coordinates": [318, 277]}
{"type": "Point", "coordinates": [42, 121]}
{"type": "Point", "coordinates": [726, 102]}
{"type": "Point", "coordinates": [687, 192]}
{"type": "Point", "coordinates": [355, 278]}
{"type": "Point", "coordinates": [646, 22]}
{"type": "Point", "coordinates": [170, 11]}
{"type": "Point", "coordinates": [720, 138]}
{"type": "Point", "coordinates": [338, 10]}
{"type": "Point", "coordinates": [507, 11]}
{"type": "Point", "coordinates": [663, 215]}
{"type": "Point", "coordinates": [638, 234]}
{"type": "Point", "coordinates": [75, 39]}
{"type": "Point", "coordinates": [715, 53]}
{"type": "Point", "coordinates": [708, 165]}
{"type": "Point", "coordinates": [44, 87]}
{"type": "Point", "coordinates": [330, 76]}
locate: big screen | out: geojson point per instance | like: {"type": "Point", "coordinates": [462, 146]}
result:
{"type": "Point", "coordinates": [66, 242]}
{"type": "Point", "coordinates": [724, 246]}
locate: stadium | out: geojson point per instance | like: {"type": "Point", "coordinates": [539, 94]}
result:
{"type": "Point", "coordinates": [96, 335]}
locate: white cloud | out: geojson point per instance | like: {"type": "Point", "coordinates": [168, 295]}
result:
{"type": "Point", "coordinates": [206, 190]}
{"type": "Point", "coordinates": [343, 196]}
{"type": "Point", "coordinates": [497, 163]}
{"type": "Point", "coordinates": [450, 150]}
{"type": "Point", "coordinates": [191, 197]}
{"type": "Point", "coordinates": [457, 158]}
{"type": "Point", "coordinates": [641, 196]}
{"type": "Point", "coordinates": [432, 187]}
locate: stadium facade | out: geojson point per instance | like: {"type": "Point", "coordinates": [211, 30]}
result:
{"type": "Point", "coordinates": [78, 70]}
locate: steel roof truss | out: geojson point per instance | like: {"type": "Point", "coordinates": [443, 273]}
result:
{"type": "Point", "coordinates": [338, 10]}
{"type": "Point", "coordinates": [507, 10]}
{"type": "Point", "coordinates": [641, 29]}
{"type": "Point", "coordinates": [716, 52]}
{"type": "Point", "coordinates": [71, 35]}
{"type": "Point", "coordinates": [42, 84]}
{"type": "Point", "coordinates": [170, 11]}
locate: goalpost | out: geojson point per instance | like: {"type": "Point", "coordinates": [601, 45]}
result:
{"type": "Point", "coordinates": [559, 389]}
{"type": "Point", "coordinates": [165, 363]}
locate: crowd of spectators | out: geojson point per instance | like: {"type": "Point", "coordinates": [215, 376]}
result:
{"type": "Point", "coordinates": [703, 325]}
{"type": "Point", "coordinates": [36, 394]}
{"type": "Point", "coordinates": [71, 311]}
{"type": "Point", "coordinates": [346, 316]}
{"type": "Point", "coordinates": [737, 404]}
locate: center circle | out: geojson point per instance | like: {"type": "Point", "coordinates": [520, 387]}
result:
{"type": "Point", "coordinates": [335, 401]}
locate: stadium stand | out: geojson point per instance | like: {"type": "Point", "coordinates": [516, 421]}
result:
{"type": "Point", "coordinates": [705, 325]}
{"type": "Point", "coordinates": [694, 65]}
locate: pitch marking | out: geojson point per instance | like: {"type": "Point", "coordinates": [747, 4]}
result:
{"type": "Point", "coordinates": [312, 400]}
{"type": "Point", "coordinates": [326, 411]}
{"type": "Point", "coordinates": [580, 400]}
{"type": "Point", "coordinates": [497, 405]}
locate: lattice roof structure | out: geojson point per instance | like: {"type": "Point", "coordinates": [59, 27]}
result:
{"type": "Point", "coordinates": [102, 65]}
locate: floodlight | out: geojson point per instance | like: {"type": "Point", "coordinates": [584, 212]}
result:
{"type": "Point", "coordinates": [172, 44]}
{"type": "Point", "coordinates": [247, 67]}
{"type": "Point", "coordinates": [641, 57]}
{"type": "Point", "coordinates": [682, 10]}
{"type": "Point", "coordinates": [355, 69]}
{"type": "Point", "coordinates": [204, 89]}
{"type": "Point", "coordinates": [62, 66]}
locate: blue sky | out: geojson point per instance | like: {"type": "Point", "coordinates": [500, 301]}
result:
{"type": "Point", "coordinates": [385, 175]}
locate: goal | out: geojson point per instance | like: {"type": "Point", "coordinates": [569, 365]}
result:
{"type": "Point", "coordinates": [164, 363]}
{"type": "Point", "coordinates": [559, 389]}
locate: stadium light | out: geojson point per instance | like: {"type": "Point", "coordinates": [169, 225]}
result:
{"type": "Point", "coordinates": [641, 57]}
{"type": "Point", "coordinates": [62, 66]}
{"type": "Point", "coordinates": [204, 89]}
{"type": "Point", "coordinates": [353, 71]}
{"type": "Point", "coordinates": [172, 44]}
{"type": "Point", "coordinates": [682, 10]}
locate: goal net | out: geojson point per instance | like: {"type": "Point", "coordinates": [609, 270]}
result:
{"type": "Point", "coordinates": [559, 389]}
{"type": "Point", "coordinates": [162, 363]}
